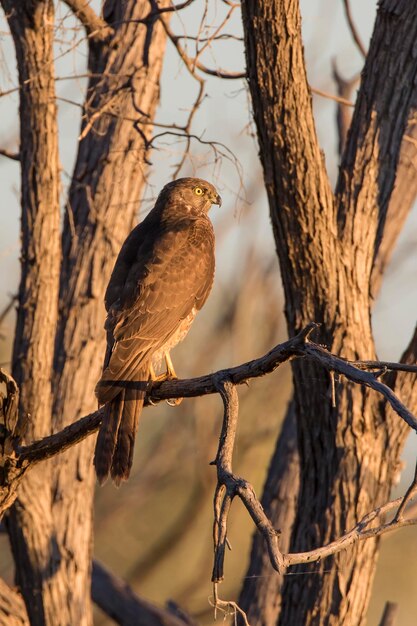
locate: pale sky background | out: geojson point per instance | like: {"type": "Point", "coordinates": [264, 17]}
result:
{"type": "Point", "coordinates": [223, 117]}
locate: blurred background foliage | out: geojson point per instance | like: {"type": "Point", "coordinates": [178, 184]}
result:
{"type": "Point", "coordinates": [156, 531]}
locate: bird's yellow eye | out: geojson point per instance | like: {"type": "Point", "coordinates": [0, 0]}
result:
{"type": "Point", "coordinates": [198, 191]}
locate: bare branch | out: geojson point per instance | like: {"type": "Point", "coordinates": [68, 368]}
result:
{"type": "Point", "coordinates": [330, 96]}
{"type": "Point", "coordinates": [118, 601]}
{"type": "Point", "coordinates": [344, 114]}
{"type": "Point", "coordinates": [386, 365]}
{"type": "Point", "coordinates": [192, 64]}
{"type": "Point", "coordinates": [229, 485]}
{"type": "Point", "coordinates": [175, 7]}
{"type": "Point", "coordinates": [410, 493]}
{"type": "Point", "coordinates": [353, 30]}
{"type": "Point", "coordinates": [296, 347]}
{"type": "Point", "coordinates": [390, 614]}
{"type": "Point", "coordinates": [95, 27]}
{"type": "Point", "coordinates": [360, 532]}
{"type": "Point", "coordinates": [14, 156]}
{"type": "Point", "coordinates": [55, 444]}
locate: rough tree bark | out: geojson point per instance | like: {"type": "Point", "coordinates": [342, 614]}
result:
{"type": "Point", "coordinates": [327, 248]}
{"type": "Point", "coordinates": [30, 521]}
{"type": "Point", "coordinates": [260, 596]}
{"type": "Point", "coordinates": [51, 523]}
{"type": "Point", "coordinates": [104, 197]}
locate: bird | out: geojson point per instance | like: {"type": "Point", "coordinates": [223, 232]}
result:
{"type": "Point", "coordinates": [162, 277]}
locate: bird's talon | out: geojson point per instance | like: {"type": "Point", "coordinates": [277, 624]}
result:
{"type": "Point", "coordinates": [174, 401]}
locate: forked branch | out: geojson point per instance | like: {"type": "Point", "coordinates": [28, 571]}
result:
{"type": "Point", "coordinates": [299, 346]}
{"type": "Point", "coordinates": [17, 458]}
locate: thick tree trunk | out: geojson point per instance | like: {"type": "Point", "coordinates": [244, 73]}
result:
{"type": "Point", "coordinates": [326, 252]}
{"type": "Point", "coordinates": [30, 523]}
{"type": "Point", "coordinates": [12, 608]}
{"type": "Point", "coordinates": [104, 198]}
{"type": "Point", "coordinates": [51, 523]}
{"type": "Point", "coordinates": [260, 596]}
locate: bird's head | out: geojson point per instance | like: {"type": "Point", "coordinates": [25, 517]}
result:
{"type": "Point", "coordinates": [190, 196]}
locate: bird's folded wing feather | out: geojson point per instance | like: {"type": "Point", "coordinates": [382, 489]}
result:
{"type": "Point", "coordinates": [161, 288]}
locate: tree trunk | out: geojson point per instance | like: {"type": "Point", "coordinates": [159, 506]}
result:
{"type": "Point", "coordinates": [260, 596]}
{"type": "Point", "coordinates": [104, 198]}
{"type": "Point", "coordinates": [326, 249]}
{"type": "Point", "coordinates": [51, 523]}
{"type": "Point", "coordinates": [30, 523]}
{"type": "Point", "coordinates": [12, 608]}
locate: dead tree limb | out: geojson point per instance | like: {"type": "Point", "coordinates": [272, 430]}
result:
{"type": "Point", "coordinates": [117, 599]}
{"type": "Point", "coordinates": [229, 485]}
{"type": "Point", "coordinates": [390, 614]}
{"type": "Point", "coordinates": [299, 346]}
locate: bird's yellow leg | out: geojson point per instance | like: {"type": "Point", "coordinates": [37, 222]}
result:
{"type": "Point", "coordinates": [157, 378]}
{"type": "Point", "coordinates": [152, 375]}
{"type": "Point", "coordinates": [170, 374]}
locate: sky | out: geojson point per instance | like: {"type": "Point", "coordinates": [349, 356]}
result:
{"type": "Point", "coordinates": [224, 117]}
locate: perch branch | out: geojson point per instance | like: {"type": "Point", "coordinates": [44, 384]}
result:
{"type": "Point", "coordinates": [229, 485]}
{"type": "Point", "coordinates": [296, 347]}
{"type": "Point", "coordinates": [17, 459]}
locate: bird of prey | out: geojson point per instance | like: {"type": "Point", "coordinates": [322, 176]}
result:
{"type": "Point", "coordinates": [162, 277]}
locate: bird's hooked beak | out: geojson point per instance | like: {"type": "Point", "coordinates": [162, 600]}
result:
{"type": "Point", "coordinates": [216, 199]}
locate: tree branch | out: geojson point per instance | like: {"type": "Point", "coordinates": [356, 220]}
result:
{"type": "Point", "coordinates": [117, 599]}
{"type": "Point", "coordinates": [229, 485]}
{"type": "Point", "coordinates": [14, 156]}
{"type": "Point", "coordinates": [353, 30]}
{"type": "Point", "coordinates": [390, 614]}
{"type": "Point", "coordinates": [95, 27]}
{"type": "Point", "coordinates": [344, 111]}
{"type": "Point", "coordinates": [296, 347]}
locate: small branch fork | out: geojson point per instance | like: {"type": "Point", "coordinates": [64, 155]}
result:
{"type": "Point", "coordinates": [229, 485]}
{"type": "Point", "coordinates": [16, 459]}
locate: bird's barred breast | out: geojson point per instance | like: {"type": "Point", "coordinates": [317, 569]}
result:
{"type": "Point", "coordinates": [178, 336]}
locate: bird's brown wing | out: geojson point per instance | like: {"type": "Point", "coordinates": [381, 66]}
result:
{"type": "Point", "coordinates": [160, 290]}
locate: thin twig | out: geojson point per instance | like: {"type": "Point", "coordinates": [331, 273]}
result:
{"type": "Point", "coordinates": [193, 63]}
{"type": "Point", "coordinates": [330, 96]}
{"type": "Point", "coordinates": [353, 29]}
{"type": "Point", "coordinates": [410, 493]}
{"type": "Point", "coordinates": [14, 156]}
{"type": "Point", "coordinates": [386, 365]}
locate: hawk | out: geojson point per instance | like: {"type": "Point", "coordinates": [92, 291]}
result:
{"type": "Point", "coordinates": [161, 279]}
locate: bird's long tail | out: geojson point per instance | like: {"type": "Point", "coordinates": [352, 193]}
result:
{"type": "Point", "coordinates": [116, 438]}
